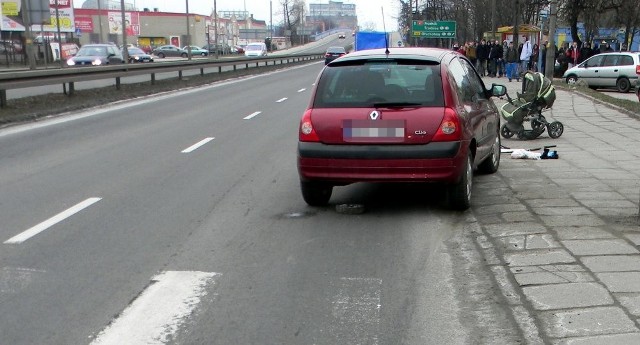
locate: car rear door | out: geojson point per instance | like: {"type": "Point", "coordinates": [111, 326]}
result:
{"type": "Point", "coordinates": [378, 103]}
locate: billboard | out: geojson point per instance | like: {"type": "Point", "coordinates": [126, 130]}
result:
{"type": "Point", "coordinates": [132, 23]}
{"type": "Point", "coordinates": [12, 16]}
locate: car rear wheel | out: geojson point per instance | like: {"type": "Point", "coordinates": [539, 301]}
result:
{"type": "Point", "coordinates": [184, 55]}
{"type": "Point", "coordinates": [161, 55]}
{"type": "Point", "coordinates": [623, 85]}
{"type": "Point", "coordinates": [572, 79]}
{"type": "Point", "coordinates": [490, 164]}
{"type": "Point", "coordinates": [316, 193]}
{"type": "Point", "coordinates": [460, 193]}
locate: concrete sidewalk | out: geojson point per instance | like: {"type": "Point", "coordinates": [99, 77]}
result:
{"type": "Point", "coordinates": [562, 236]}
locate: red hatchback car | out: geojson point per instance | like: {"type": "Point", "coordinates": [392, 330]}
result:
{"type": "Point", "coordinates": [402, 115]}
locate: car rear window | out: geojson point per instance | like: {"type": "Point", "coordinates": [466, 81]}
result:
{"type": "Point", "coordinates": [362, 84]}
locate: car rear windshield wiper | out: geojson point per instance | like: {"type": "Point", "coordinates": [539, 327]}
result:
{"type": "Point", "coordinates": [396, 104]}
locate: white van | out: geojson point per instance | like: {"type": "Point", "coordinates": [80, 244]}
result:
{"type": "Point", "coordinates": [255, 49]}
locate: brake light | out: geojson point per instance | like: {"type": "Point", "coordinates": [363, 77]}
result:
{"type": "Point", "coordinates": [307, 132]}
{"type": "Point", "coordinates": [637, 69]}
{"type": "Point", "coordinates": [450, 129]}
{"type": "Point", "coordinates": [327, 55]}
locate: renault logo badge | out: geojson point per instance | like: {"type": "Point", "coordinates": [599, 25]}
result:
{"type": "Point", "coordinates": [374, 115]}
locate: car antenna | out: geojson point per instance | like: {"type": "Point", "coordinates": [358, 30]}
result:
{"type": "Point", "coordinates": [386, 37]}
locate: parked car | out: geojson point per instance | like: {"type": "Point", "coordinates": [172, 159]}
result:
{"type": "Point", "coordinates": [195, 50]}
{"type": "Point", "coordinates": [96, 55]}
{"type": "Point", "coordinates": [238, 49]}
{"type": "Point", "coordinates": [222, 49]}
{"type": "Point", "coordinates": [138, 55]}
{"type": "Point", "coordinates": [255, 49]}
{"type": "Point", "coordinates": [169, 50]}
{"type": "Point", "coordinates": [605, 70]}
{"type": "Point", "coordinates": [333, 53]}
{"type": "Point", "coordinates": [413, 115]}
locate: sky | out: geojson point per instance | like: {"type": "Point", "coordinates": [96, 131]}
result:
{"type": "Point", "coordinates": [367, 10]}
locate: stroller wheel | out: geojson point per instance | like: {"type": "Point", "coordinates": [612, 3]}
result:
{"type": "Point", "coordinates": [506, 132]}
{"type": "Point", "coordinates": [538, 123]}
{"type": "Point", "coordinates": [555, 129]}
{"type": "Point", "coordinates": [530, 134]}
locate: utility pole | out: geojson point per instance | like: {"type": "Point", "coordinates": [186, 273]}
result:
{"type": "Point", "coordinates": [215, 28]}
{"type": "Point", "coordinates": [516, 43]}
{"type": "Point", "coordinates": [26, 19]}
{"type": "Point", "coordinates": [100, 39]}
{"type": "Point", "coordinates": [59, 35]}
{"type": "Point", "coordinates": [188, 34]}
{"type": "Point", "coordinates": [551, 49]}
{"type": "Point", "coordinates": [123, 24]}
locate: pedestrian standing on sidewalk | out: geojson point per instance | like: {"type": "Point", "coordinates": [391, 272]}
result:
{"type": "Point", "coordinates": [511, 57]}
{"type": "Point", "coordinates": [525, 56]}
{"type": "Point", "coordinates": [573, 54]}
{"type": "Point", "coordinates": [483, 54]}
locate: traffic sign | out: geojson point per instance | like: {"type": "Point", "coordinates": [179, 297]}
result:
{"type": "Point", "coordinates": [433, 29]}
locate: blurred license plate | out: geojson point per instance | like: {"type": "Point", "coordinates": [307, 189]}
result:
{"type": "Point", "coordinates": [384, 130]}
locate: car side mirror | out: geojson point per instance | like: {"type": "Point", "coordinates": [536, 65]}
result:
{"type": "Point", "coordinates": [498, 90]}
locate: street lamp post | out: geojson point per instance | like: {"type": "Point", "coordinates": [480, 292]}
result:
{"type": "Point", "coordinates": [543, 16]}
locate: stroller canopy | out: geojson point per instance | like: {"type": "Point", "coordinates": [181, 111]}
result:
{"type": "Point", "coordinates": [537, 88]}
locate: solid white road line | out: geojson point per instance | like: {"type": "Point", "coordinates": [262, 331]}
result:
{"type": "Point", "coordinates": [301, 90]}
{"type": "Point", "coordinates": [281, 100]}
{"type": "Point", "coordinates": [197, 145]}
{"type": "Point", "coordinates": [252, 115]}
{"type": "Point", "coordinates": [155, 315]}
{"type": "Point", "coordinates": [27, 234]}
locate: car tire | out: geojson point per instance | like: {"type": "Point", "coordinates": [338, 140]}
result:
{"type": "Point", "coordinates": [491, 164]}
{"type": "Point", "coordinates": [460, 192]}
{"type": "Point", "coordinates": [204, 54]}
{"type": "Point", "coordinates": [623, 85]}
{"type": "Point", "coordinates": [183, 55]}
{"type": "Point", "coordinates": [572, 79]}
{"type": "Point", "coordinates": [316, 193]}
{"type": "Point", "coordinates": [161, 55]}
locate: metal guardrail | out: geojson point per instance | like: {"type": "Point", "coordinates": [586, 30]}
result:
{"type": "Point", "coordinates": [68, 76]}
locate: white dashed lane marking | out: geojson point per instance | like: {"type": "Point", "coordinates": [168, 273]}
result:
{"type": "Point", "coordinates": [301, 90]}
{"type": "Point", "coordinates": [27, 234]}
{"type": "Point", "coordinates": [155, 316]}
{"type": "Point", "coordinates": [252, 115]}
{"type": "Point", "coordinates": [281, 100]}
{"type": "Point", "coordinates": [197, 145]}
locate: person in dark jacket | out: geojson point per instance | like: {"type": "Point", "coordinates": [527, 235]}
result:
{"type": "Point", "coordinates": [482, 53]}
{"type": "Point", "coordinates": [512, 58]}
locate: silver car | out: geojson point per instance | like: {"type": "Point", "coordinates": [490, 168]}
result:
{"type": "Point", "coordinates": [617, 69]}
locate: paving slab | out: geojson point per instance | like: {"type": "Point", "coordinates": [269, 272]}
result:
{"type": "Point", "coordinates": [541, 241]}
{"type": "Point", "coordinates": [512, 229]}
{"type": "Point", "coordinates": [631, 302]}
{"type": "Point", "coordinates": [500, 208]}
{"type": "Point", "coordinates": [613, 339]}
{"type": "Point", "coordinates": [552, 202]}
{"type": "Point", "coordinates": [518, 217]}
{"type": "Point", "coordinates": [584, 220]}
{"type": "Point", "coordinates": [612, 263]}
{"type": "Point", "coordinates": [621, 281]}
{"type": "Point", "coordinates": [581, 232]}
{"type": "Point", "coordinates": [563, 296]}
{"type": "Point", "coordinates": [586, 322]}
{"type": "Point", "coordinates": [562, 211]}
{"type": "Point", "coordinates": [635, 238]}
{"type": "Point", "coordinates": [538, 257]}
{"type": "Point", "coordinates": [599, 247]}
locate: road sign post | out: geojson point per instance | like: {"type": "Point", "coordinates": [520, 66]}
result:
{"type": "Point", "coordinates": [433, 29]}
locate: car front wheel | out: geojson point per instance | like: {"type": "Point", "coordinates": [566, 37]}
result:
{"type": "Point", "coordinates": [161, 55]}
{"type": "Point", "coordinates": [460, 193]}
{"type": "Point", "coordinates": [316, 193]}
{"type": "Point", "coordinates": [572, 79]}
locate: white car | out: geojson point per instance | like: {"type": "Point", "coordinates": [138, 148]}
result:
{"type": "Point", "coordinates": [616, 70]}
{"type": "Point", "coordinates": [341, 36]}
{"type": "Point", "coordinates": [255, 50]}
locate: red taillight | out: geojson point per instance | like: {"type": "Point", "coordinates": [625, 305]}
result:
{"type": "Point", "coordinates": [637, 69]}
{"type": "Point", "coordinates": [327, 55]}
{"type": "Point", "coordinates": [450, 129]}
{"type": "Point", "coordinates": [307, 132]}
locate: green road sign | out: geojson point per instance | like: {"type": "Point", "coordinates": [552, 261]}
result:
{"type": "Point", "coordinates": [433, 29]}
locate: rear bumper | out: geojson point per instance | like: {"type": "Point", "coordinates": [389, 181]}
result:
{"type": "Point", "coordinates": [433, 162]}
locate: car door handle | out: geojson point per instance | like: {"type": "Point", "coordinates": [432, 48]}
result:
{"type": "Point", "coordinates": [615, 70]}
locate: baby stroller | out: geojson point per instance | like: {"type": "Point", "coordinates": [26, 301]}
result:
{"type": "Point", "coordinates": [537, 95]}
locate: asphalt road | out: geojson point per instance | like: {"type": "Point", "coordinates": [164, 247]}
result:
{"type": "Point", "coordinates": [178, 219]}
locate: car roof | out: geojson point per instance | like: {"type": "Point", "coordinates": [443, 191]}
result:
{"type": "Point", "coordinates": [415, 53]}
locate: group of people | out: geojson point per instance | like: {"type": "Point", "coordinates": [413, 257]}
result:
{"type": "Point", "coordinates": [495, 59]}
{"type": "Point", "coordinates": [571, 55]}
